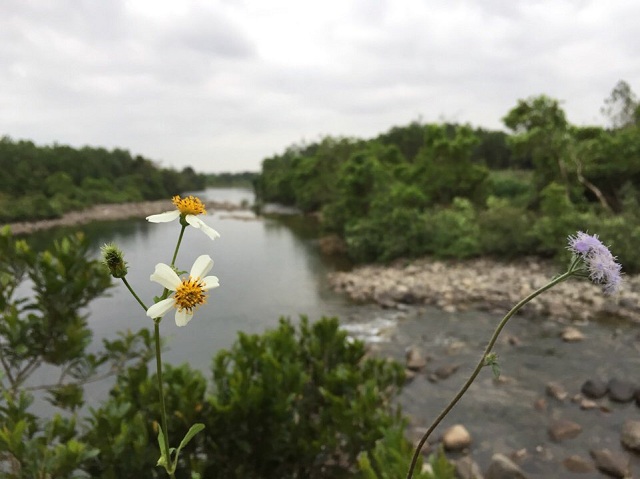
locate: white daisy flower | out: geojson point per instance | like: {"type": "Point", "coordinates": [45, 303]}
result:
{"type": "Point", "coordinates": [188, 293]}
{"type": "Point", "coordinates": [187, 208]}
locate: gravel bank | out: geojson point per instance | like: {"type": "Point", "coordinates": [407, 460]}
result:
{"type": "Point", "coordinates": [486, 285]}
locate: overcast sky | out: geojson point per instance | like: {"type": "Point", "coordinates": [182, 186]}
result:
{"type": "Point", "coordinates": [222, 84]}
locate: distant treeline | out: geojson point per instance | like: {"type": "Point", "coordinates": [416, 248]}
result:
{"type": "Point", "coordinates": [454, 191]}
{"type": "Point", "coordinates": [40, 182]}
{"type": "Point", "coordinates": [243, 179]}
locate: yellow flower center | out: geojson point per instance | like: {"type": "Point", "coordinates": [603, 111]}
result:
{"type": "Point", "coordinates": [189, 294]}
{"type": "Point", "coordinates": [189, 205]}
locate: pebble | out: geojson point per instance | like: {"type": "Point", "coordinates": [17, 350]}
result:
{"type": "Point", "coordinates": [572, 335]}
{"type": "Point", "coordinates": [562, 429]}
{"type": "Point", "coordinates": [456, 438]}
{"type": "Point", "coordinates": [557, 391]}
{"type": "Point", "coordinates": [630, 436]}
{"type": "Point", "coordinates": [502, 467]}
{"type": "Point", "coordinates": [415, 361]}
{"type": "Point", "coordinates": [594, 388]}
{"type": "Point", "coordinates": [467, 468]}
{"type": "Point", "coordinates": [577, 464]}
{"type": "Point", "coordinates": [621, 391]}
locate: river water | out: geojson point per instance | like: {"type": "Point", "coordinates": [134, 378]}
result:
{"type": "Point", "coordinates": [271, 267]}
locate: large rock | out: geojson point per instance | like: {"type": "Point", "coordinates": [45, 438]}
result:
{"type": "Point", "coordinates": [612, 463]}
{"type": "Point", "coordinates": [456, 438]}
{"type": "Point", "coordinates": [562, 429]}
{"type": "Point", "coordinates": [630, 436]}
{"type": "Point", "coordinates": [502, 467]}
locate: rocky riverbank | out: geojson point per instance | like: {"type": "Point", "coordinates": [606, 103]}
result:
{"type": "Point", "coordinates": [540, 419]}
{"type": "Point", "coordinates": [486, 285]}
{"type": "Point", "coordinates": [108, 212]}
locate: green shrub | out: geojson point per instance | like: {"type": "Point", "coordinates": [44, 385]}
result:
{"type": "Point", "coordinates": [514, 185]}
{"type": "Point", "coordinates": [124, 428]}
{"type": "Point", "coordinates": [505, 229]}
{"type": "Point", "coordinates": [293, 402]}
{"type": "Point", "coordinates": [453, 232]}
{"type": "Point", "coordinates": [297, 404]}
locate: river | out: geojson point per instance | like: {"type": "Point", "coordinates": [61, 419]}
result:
{"type": "Point", "coordinates": [271, 267]}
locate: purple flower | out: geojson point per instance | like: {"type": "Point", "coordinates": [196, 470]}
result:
{"type": "Point", "coordinates": [601, 264]}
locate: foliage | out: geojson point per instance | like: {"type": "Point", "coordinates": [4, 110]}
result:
{"type": "Point", "coordinates": [46, 328]}
{"type": "Point", "coordinates": [393, 195]}
{"type": "Point", "coordinates": [505, 229]}
{"type": "Point", "coordinates": [41, 182]}
{"type": "Point", "coordinates": [391, 455]}
{"type": "Point", "coordinates": [312, 392]}
{"type": "Point", "coordinates": [454, 232]}
{"type": "Point", "coordinates": [123, 429]}
{"type": "Point", "coordinates": [309, 389]}
{"type": "Point", "coordinates": [32, 447]}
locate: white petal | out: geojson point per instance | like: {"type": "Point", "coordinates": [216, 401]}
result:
{"type": "Point", "coordinates": [210, 282]}
{"type": "Point", "coordinates": [164, 217]}
{"type": "Point", "coordinates": [201, 225]}
{"type": "Point", "coordinates": [166, 276]}
{"type": "Point", "coordinates": [201, 266]}
{"type": "Point", "coordinates": [183, 317]}
{"type": "Point", "coordinates": [160, 308]}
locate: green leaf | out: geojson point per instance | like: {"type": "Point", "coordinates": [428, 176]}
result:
{"type": "Point", "coordinates": [193, 430]}
{"type": "Point", "coordinates": [164, 454]}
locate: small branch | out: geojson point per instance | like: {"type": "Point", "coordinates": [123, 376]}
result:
{"type": "Point", "coordinates": [590, 186]}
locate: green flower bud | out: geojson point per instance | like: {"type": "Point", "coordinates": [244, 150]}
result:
{"type": "Point", "coordinates": [113, 259]}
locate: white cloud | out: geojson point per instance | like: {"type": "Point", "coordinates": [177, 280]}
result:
{"type": "Point", "coordinates": [220, 85]}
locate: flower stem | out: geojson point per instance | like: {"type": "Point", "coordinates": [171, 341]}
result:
{"type": "Point", "coordinates": [481, 363]}
{"type": "Point", "coordinates": [126, 283]}
{"type": "Point", "coordinates": [175, 252]}
{"type": "Point", "coordinates": [163, 410]}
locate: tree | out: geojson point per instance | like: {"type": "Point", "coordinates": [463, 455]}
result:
{"type": "Point", "coordinates": [622, 107]}
{"type": "Point", "coordinates": [541, 130]}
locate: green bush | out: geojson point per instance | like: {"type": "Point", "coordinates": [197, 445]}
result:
{"type": "Point", "coordinates": [292, 404]}
{"type": "Point", "coordinates": [454, 232]}
{"type": "Point", "coordinates": [505, 229]}
{"type": "Point", "coordinates": [514, 185]}
{"type": "Point", "coordinates": [124, 429]}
